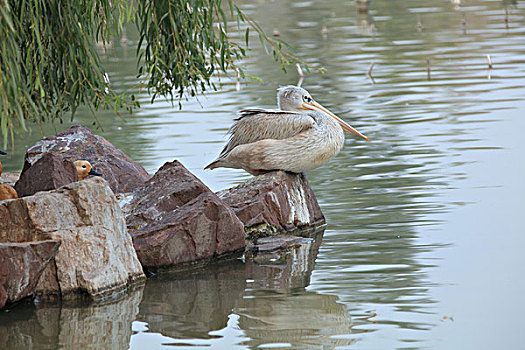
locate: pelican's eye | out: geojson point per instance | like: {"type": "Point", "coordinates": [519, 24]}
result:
{"type": "Point", "coordinates": [83, 166]}
{"type": "Point", "coordinates": [307, 99]}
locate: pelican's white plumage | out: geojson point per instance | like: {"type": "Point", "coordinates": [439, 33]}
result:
{"type": "Point", "coordinates": [300, 136]}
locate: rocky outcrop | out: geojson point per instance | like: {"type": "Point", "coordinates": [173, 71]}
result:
{"type": "Point", "coordinates": [78, 142]}
{"type": "Point", "coordinates": [96, 255]}
{"type": "Point", "coordinates": [9, 178]}
{"type": "Point", "coordinates": [49, 172]}
{"type": "Point", "coordinates": [175, 221]}
{"type": "Point", "coordinates": [274, 202]}
{"type": "Point", "coordinates": [21, 265]}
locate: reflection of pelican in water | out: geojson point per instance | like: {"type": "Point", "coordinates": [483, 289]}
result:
{"type": "Point", "coordinates": [302, 135]}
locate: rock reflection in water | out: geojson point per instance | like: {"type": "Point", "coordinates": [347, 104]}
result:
{"type": "Point", "coordinates": [277, 308]}
{"type": "Point", "coordinates": [301, 319]}
{"type": "Point", "coordinates": [267, 294]}
{"type": "Point", "coordinates": [71, 325]}
{"type": "Point", "coordinates": [191, 305]}
{"type": "Point", "coordinates": [287, 269]}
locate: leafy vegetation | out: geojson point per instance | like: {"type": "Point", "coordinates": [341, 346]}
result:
{"type": "Point", "coordinates": [49, 65]}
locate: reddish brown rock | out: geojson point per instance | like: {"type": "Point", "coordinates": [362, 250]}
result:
{"type": "Point", "coordinates": [277, 200]}
{"type": "Point", "coordinates": [49, 172]}
{"type": "Point", "coordinates": [21, 265]}
{"type": "Point", "coordinates": [78, 142]}
{"type": "Point", "coordinates": [175, 221]}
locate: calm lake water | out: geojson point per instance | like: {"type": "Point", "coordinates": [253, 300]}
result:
{"type": "Point", "coordinates": [423, 247]}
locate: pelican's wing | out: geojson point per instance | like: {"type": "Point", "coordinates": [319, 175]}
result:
{"type": "Point", "coordinates": [259, 124]}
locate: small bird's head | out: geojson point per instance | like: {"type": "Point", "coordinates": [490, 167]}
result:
{"type": "Point", "coordinates": [2, 152]}
{"type": "Point", "coordinates": [296, 99]}
{"type": "Point", "coordinates": [84, 169]}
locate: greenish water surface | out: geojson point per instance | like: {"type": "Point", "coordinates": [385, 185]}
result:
{"type": "Point", "coordinates": [423, 244]}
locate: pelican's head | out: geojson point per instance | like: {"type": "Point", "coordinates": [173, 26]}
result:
{"type": "Point", "coordinates": [291, 98]}
{"type": "Point", "coordinates": [294, 98]}
{"type": "Point", "coordinates": [84, 169]}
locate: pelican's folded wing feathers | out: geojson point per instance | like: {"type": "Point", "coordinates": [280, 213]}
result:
{"type": "Point", "coordinates": [258, 124]}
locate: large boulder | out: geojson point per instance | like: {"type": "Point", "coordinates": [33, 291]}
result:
{"type": "Point", "coordinates": [274, 202]}
{"type": "Point", "coordinates": [96, 255]}
{"type": "Point", "coordinates": [49, 172]}
{"type": "Point", "coordinates": [21, 265]}
{"type": "Point", "coordinates": [78, 142]}
{"type": "Point", "coordinates": [175, 221]}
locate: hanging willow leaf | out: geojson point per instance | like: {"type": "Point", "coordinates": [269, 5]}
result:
{"type": "Point", "coordinates": [49, 65]}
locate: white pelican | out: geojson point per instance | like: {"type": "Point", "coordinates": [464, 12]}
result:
{"type": "Point", "coordinates": [301, 135]}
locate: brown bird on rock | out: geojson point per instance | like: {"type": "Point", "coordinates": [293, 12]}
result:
{"type": "Point", "coordinates": [84, 169]}
{"type": "Point", "coordinates": [6, 191]}
{"type": "Point", "coordinates": [301, 135]}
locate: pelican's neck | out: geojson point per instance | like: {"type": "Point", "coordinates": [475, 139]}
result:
{"type": "Point", "coordinates": [333, 132]}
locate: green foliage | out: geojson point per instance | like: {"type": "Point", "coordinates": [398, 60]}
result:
{"type": "Point", "coordinates": [49, 65]}
{"type": "Point", "coordinates": [185, 42]}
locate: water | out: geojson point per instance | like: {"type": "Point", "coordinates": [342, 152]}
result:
{"type": "Point", "coordinates": [423, 243]}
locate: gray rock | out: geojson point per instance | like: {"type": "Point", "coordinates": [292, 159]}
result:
{"type": "Point", "coordinates": [96, 255]}
{"type": "Point", "coordinates": [279, 242]}
{"type": "Point", "coordinates": [9, 178]}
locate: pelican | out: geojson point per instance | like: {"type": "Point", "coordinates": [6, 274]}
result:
{"type": "Point", "coordinates": [6, 191]}
{"type": "Point", "coordinates": [301, 135]}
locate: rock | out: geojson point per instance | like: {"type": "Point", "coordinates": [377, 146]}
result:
{"type": "Point", "coordinates": [279, 242]}
{"type": "Point", "coordinates": [78, 142]}
{"type": "Point", "coordinates": [9, 178]}
{"type": "Point", "coordinates": [274, 202]}
{"type": "Point", "coordinates": [175, 221]}
{"type": "Point", "coordinates": [21, 265]}
{"type": "Point", "coordinates": [96, 255]}
{"type": "Point", "coordinates": [49, 172]}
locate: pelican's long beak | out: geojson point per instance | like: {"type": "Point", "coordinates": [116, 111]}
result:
{"type": "Point", "coordinates": [316, 106]}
